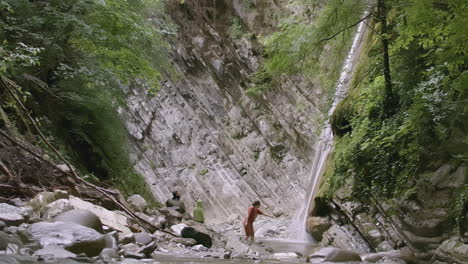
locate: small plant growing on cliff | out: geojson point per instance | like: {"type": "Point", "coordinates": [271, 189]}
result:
{"type": "Point", "coordinates": [237, 29]}
{"type": "Point", "coordinates": [203, 172]}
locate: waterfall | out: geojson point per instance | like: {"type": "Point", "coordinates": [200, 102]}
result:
{"type": "Point", "coordinates": [325, 143]}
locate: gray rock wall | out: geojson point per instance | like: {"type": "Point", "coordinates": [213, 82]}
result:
{"type": "Point", "coordinates": [205, 137]}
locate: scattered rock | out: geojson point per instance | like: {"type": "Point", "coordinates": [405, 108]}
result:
{"type": "Point", "coordinates": [453, 251]}
{"type": "Point", "coordinates": [12, 215]}
{"type": "Point", "coordinates": [200, 237]}
{"type": "Point", "coordinates": [403, 254]}
{"type": "Point", "coordinates": [148, 249]}
{"type": "Point", "coordinates": [177, 229]}
{"type": "Point", "coordinates": [41, 200]}
{"type": "Point", "coordinates": [334, 255]}
{"type": "Point", "coordinates": [316, 226]}
{"type": "Point", "coordinates": [73, 237]}
{"type": "Point", "coordinates": [125, 238]}
{"type": "Point", "coordinates": [114, 219]}
{"type": "Point", "coordinates": [132, 254]}
{"type": "Point", "coordinates": [277, 212]}
{"type": "Point", "coordinates": [188, 242]}
{"type": "Point", "coordinates": [286, 255]}
{"type": "Point", "coordinates": [109, 254]}
{"type": "Point", "coordinates": [57, 207]}
{"type": "Point", "coordinates": [12, 249]}
{"type": "Point", "coordinates": [111, 240]}
{"type": "Point", "coordinates": [55, 252]}
{"type": "Point", "coordinates": [80, 217]}
{"type": "Point", "coordinates": [199, 248]}
{"type": "Point", "coordinates": [142, 238]}
{"type": "Point", "coordinates": [138, 202]}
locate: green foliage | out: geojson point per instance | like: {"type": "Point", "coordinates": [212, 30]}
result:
{"type": "Point", "coordinates": [302, 47]}
{"type": "Point", "coordinates": [71, 57]}
{"type": "Point", "coordinates": [237, 30]}
{"type": "Point", "coordinates": [386, 156]}
{"type": "Point", "coordinates": [203, 172]}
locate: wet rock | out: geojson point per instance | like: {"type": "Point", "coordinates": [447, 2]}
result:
{"type": "Point", "coordinates": [2, 225]}
{"type": "Point", "coordinates": [316, 226]}
{"type": "Point", "coordinates": [137, 202]}
{"type": "Point", "coordinates": [26, 251]}
{"type": "Point", "coordinates": [109, 254]}
{"type": "Point", "coordinates": [188, 242]}
{"type": "Point", "coordinates": [6, 239]}
{"type": "Point", "coordinates": [55, 252]}
{"type": "Point", "coordinates": [200, 237]}
{"type": "Point", "coordinates": [126, 238]}
{"type": "Point", "coordinates": [73, 237]}
{"type": "Point", "coordinates": [334, 255]}
{"type": "Point", "coordinates": [143, 238]}
{"type": "Point", "coordinates": [12, 215]}
{"type": "Point", "coordinates": [80, 217]}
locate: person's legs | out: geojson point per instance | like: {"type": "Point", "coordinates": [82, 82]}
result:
{"type": "Point", "coordinates": [248, 231]}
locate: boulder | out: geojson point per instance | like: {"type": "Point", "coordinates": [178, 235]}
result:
{"type": "Point", "coordinates": [125, 238]}
{"type": "Point", "coordinates": [188, 242]}
{"type": "Point", "coordinates": [41, 200]}
{"type": "Point", "coordinates": [137, 202]}
{"type": "Point", "coordinates": [57, 207]}
{"type": "Point", "coordinates": [73, 237]}
{"type": "Point", "coordinates": [177, 205]}
{"type": "Point", "coordinates": [148, 249]}
{"type": "Point", "coordinates": [6, 239]}
{"type": "Point", "coordinates": [286, 255]}
{"type": "Point", "coordinates": [277, 212]}
{"type": "Point", "coordinates": [55, 252]}
{"type": "Point", "coordinates": [142, 238]}
{"type": "Point", "coordinates": [316, 226]}
{"type": "Point", "coordinates": [114, 219]}
{"type": "Point", "coordinates": [12, 215]}
{"type": "Point", "coordinates": [330, 254]}
{"type": "Point", "coordinates": [200, 237]}
{"type": "Point", "coordinates": [81, 217]}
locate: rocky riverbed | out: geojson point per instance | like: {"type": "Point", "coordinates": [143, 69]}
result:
{"type": "Point", "coordinates": [55, 227]}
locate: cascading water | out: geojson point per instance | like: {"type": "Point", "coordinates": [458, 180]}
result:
{"type": "Point", "coordinates": [326, 138]}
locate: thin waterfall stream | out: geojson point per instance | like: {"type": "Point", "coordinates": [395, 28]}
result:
{"type": "Point", "coordinates": [325, 143]}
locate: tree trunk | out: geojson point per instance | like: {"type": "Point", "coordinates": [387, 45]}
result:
{"type": "Point", "coordinates": [382, 16]}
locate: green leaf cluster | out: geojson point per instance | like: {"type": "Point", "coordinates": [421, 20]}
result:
{"type": "Point", "coordinates": [73, 57]}
{"type": "Point", "coordinates": [386, 155]}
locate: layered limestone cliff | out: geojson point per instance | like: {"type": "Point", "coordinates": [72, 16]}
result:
{"type": "Point", "coordinates": [203, 135]}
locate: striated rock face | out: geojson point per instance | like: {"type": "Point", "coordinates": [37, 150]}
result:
{"type": "Point", "coordinates": [204, 136]}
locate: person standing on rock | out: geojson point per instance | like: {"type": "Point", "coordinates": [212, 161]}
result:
{"type": "Point", "coordinates": [248, 222]}
{"type": "Point", "coordinates": [198, 214]}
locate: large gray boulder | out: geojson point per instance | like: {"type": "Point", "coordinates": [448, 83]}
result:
{"type": "Point", "coordinates": [73, 237]}
{"type": "Point", "coordinates": [330, 254]}
{"type": "Point", "coordinates": [81, 217]}
{"type": "Point", "coordinates": [404, 254]}
{"type": "Point", "coordinates": [12, 215]}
